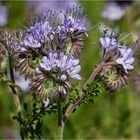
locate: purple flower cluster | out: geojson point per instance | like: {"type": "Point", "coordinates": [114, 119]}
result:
{"type": "Point", "coordinates": [70, 25]}
{"type": "Point", "coordinates": [39, 33]}
{"type": "Point", "coordinates": [65, 66]}
{"type": "Point", "coordinates": [57, 46]}
{"type": "Point", "coordinates": [114, 52]}
{"type": "Point", "coordinates": [109, 43]}
{"type": "Point", "coordinates": [3, 15]}
{"type": "Point", "coordinates": [43, 32]}
{"type": "Point", "coordinates": [110, 47]}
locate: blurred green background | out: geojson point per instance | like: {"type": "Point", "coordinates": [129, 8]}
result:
{"type": "Point", "coordinates": [115, 114]}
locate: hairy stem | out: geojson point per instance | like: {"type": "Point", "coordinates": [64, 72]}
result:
{"type": "Point", "coordinates": [11, 72]}
{"type": "Point", "coordinates": [78, 100]}
{"type": "Point", "coordinates": [60, 121]}
{"type": "Point", "coordinates": [60, 132]}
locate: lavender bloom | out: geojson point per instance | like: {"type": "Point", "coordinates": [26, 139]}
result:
{"type": "Point", "coordinates": [121, 59]}
{"type": "Point", "coordinates": [3, 15]}
{"type": "Point", "coordinates": [127, 59]}
{"type": "Point", "coordinates": [50, 62]}
{"type": "Point", "coordinates": [46, 5]}
{"type": "Point", "coordinates": [62, 67]}
{"type": "Point", "coordinates": [70, 65]}
{"type": "Point", "coordinates": [73, 22]}
{"type": "Point", "coordinates": [38, 34]}
{"type": "Point", "coordinates": [22, 82]}
{"type": "Point", "coordinates": [31, 42]}
{"type": "Point", "coordinates": [113, 53]}
{"type": "Point", "coordinates": [109, 43]}
{"type": "Point", "coordinates": [113, 12]}
{"type": "Point", "coordinates": [41, 34]}
{"type": "Point", "coordinates": [58, 62]}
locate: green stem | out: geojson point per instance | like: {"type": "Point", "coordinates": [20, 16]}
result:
{"type": "Point", "coordinates": [60, 132]}
{"type": "Point", "coordinates": [15, 94]}
{"type": "Point", "coordinates": [60, 121]}
{"type": "Point", "coordinates": [10, 59]}
{"type": "Point", "coordinates": [59, 112]}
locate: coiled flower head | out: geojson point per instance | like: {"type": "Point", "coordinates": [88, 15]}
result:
{"type": "Point", "coordinates": [120, 56]}
{"type": "Point", "coordinates": [58, 62]}
{"type": "Point", "coordinates": [59, 67]}
{"type": "Point", "coordinates": [110, 47]}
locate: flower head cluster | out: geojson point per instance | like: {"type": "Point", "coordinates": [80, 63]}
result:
{"type": "Point", "coordinates": [70, 25]}
{"type": "Point", "coordinates": [109, 43]}
{"type": "Point", "coordinates": [121, 56]}
{"type": "Point", "coordinates": [73, 22]}
{"type": "Point", "coordinates": [38, 34]}
{"type": "Point", "coordinates": [46, 32]}
{"type": "Point", "coordinates": [60, 67]}
{"type": "Point", "coordinates": [121, 59]}
{"type": "Point", "coordinates": [57, 46]}
{"type": "Point", "coordinates": [114, 52]}
{"type": "Point", "coordinates": [64, 66]}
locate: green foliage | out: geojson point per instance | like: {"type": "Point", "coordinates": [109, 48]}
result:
{"type": "Point", "coordinates": [89, 93]}
{"type": "Point", "coordinates": [30, 120]}
{"type": "Point", "coordinates": [93, 90]}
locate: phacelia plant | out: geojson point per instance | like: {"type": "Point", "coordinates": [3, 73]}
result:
{"type": "Point", "coordinates": [47, 53]}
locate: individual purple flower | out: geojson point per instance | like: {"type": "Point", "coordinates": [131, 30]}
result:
{"type": "Point", "coordinates": [127, 58]}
